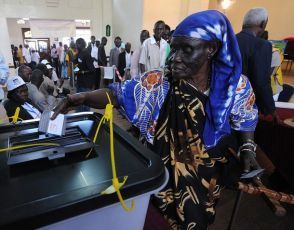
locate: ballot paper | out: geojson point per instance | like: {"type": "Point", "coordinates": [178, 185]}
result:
{"type": "Point", "coordinates": [56, 126]}
{"type": "Point", "coordinates": [251, 174]}
{"type": "Point", "coordinates": [77, 69]}
{"type": "Point", "coordinates": [108, 72]}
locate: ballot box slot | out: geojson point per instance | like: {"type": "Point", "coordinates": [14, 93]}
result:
{"type": "Point", "coordinates": [74, 141]}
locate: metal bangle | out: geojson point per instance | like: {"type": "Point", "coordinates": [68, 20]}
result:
{"type": "Point", "coordinates": [249, 150]}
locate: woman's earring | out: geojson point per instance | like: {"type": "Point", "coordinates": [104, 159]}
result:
{"type": "Point", "coordinates": [209, 56]}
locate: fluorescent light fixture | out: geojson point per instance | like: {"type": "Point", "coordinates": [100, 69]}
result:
{"type": "Point", "coordinates": [82, 20]}
{"type": "Point", "coordinates": [20, 21]}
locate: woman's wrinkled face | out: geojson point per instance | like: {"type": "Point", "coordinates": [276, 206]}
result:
{"type": "Point", "coordinates": [187, 56]}
{"type": "Point", "coordinates": [21, 94]}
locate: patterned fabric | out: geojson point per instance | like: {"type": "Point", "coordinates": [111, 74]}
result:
{"type": "Point", "coordinates": [197, 172]}
{"type": "Point", "coordinates": [190, 130]}
{"type": "Point", "coordinates": [141, 100]}
{"type": "Point", "coordinates": [212, 25]}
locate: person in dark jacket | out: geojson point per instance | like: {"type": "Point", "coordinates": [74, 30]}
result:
{"type": "Point", "coordinates": [124, 59]}
{"type": "Point", "coordinates": [102, 59]}
{"type": "Point", "coordinates": [256, 58]}
{"type": "Point", "coordinates": [86, 77]}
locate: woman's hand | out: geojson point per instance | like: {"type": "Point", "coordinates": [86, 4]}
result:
{"type": "Point", "coordinates": [68, 103]}
{"type": "Point", "coordinates": [248, 161]}
{"type": "Point", "coordinates": [62, 107]}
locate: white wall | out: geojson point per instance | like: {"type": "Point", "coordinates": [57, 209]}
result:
{"type": "Point", "coordinates": [127, 20]}
{"type": "Point", "coordinates": [14, 30]}
{"type": "Point", "coordinates": [5, 43]}
{"type": "Point", "coordinates": [98, 11]}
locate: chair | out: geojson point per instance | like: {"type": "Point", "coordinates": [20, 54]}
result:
{"type": "Point", "coordinates": [289, 54]}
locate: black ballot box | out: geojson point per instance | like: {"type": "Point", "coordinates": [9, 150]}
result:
{"type": "Point", "coordinates": [58, 187]}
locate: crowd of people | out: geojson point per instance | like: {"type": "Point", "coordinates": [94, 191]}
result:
{"type": "Point", "coordinates": [190, 93]}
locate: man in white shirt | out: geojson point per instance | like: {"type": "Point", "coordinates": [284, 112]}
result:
{"type": "Point", "coordinates": [26, 54]}
{"type": "Point", "coordinates": [124, 59]}
{"type": "Point", "coordinates": [137, 53]}
{"type": "Point", "coordinates": [93, 49]}
{"type": "Point", "coordinates": [154, 50]}
{"type": "Point", "coordinates": [54, 57]}
{"type": "Point", "coordinates": [35, 57]}
{"type": "Point", "coordinates": [60, 53]}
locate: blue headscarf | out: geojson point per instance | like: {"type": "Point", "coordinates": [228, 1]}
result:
{"type": "Point", "coordinates": [212, 25]}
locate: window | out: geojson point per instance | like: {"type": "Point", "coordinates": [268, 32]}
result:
{"type": "Point", "coordinates": [84, 33]}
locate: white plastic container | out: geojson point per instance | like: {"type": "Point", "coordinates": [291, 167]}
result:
{"type": "Point", "coordinates": [111, 217]}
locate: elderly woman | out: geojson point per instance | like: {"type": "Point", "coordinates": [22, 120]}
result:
{"type": "Point", "coordinates": [18, 97]}
{"type": "Point", "coordinates": [188, 116]}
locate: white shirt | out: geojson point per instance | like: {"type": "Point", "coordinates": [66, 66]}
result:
{"type": "Point", "coordinates": [128, 59]}
{"type": "Point", "coordinates": [34, 112]}
{"type": "Point", "coordinates": [54, 53]}
{"type": "Point", "coordinates": [152, 55]}
{"type": "Point", "coordinates": [94, 51]}
{"type": "Point", "coordinates": [36, 57]}
{"type": "Point", "coordinates": [54, 76]}
{"type": "Point", "coordinates": [61, 55]}
{"type": "Point", "coordinates": [27, 55]}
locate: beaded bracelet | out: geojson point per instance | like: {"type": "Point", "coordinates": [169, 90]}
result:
{"type": "Point", "coordinates": [249, 144]}
{"type": "Point", "coordinates": [246, 147]}
{"type": "Point", "coordinates": [249, 150]}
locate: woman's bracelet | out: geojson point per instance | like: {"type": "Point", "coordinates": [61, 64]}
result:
{"type": "Point", "coordinates": [249, 145]}
{"type": "Point", "coordinates": [247, 150]}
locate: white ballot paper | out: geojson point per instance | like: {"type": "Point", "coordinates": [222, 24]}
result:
{"type": "Point", "coordinates": [56, 126]}
{"type": "Point", "coordinates": [108, 72]}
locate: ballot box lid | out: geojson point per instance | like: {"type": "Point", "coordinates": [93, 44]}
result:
{"type": "Point", "coordinates": [41, 191]}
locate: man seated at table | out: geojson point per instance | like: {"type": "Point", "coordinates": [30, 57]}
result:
{"type": "Point", "coordinates": [18, 97]}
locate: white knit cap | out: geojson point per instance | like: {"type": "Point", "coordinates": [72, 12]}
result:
{"type": "Point", "coordinates": [45, 62]}
{"type": "Point", "coordinates": [14, 82]}
{"type": "Point", "coordinates": [49, 66]}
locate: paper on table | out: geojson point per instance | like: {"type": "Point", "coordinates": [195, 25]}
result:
{"type": "Point", "coordinates": [108, 73]}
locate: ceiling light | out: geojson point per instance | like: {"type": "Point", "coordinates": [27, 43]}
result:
{"type": "Point", "coordinates": [20, 21]}
{"type": "Point", "coordinates": [225, 4]}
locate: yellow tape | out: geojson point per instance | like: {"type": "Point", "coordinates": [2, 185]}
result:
{"type": "Point", "coordinates": [14, 118]}
{"type": "Point", "coordinates": [116, 185]}
{"type": "Point", "coordinates": [28, 145]}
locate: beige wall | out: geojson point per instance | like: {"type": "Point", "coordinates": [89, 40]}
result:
{"type": "Point", "coordinates": [281, 16]}
{"type": "Point", "coordinates": [170, 11]}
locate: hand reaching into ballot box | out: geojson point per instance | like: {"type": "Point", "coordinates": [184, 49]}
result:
{"type": "Point", "coordinates": [95, 99]}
